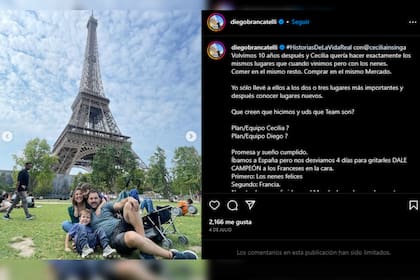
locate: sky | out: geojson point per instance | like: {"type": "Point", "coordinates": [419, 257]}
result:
{"type": "Point", "coordinates": [104, 4]}
{"type": "Point", "coordinates": [150, 61]}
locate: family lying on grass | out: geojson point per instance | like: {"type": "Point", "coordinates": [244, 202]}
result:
{"type": "Point", "coordinates": [125, 234]}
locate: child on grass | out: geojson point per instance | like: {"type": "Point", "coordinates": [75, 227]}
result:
{"type": "Point", "coordinates": [86, 239]}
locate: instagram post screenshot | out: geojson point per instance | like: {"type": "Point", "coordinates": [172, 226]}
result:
{"type": "Point", "coordinates": [309, 151]}
{"type": "Point", "coordinates": [100, 148]}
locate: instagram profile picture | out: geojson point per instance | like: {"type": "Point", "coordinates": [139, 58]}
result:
{"type": "Point", "coordinates": [216, 22]}
{"type": "Point", "coordinates": [216, 50]}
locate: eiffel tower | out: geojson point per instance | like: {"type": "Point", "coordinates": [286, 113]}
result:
{"type": "Point", "coordinates": [91, 125]}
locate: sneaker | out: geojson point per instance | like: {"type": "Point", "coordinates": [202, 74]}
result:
{"type": "Point", "coordinates": [86, 251]}
{"type": "Point", "coordinates": [30, 217]}
{"type": "Point", "coordinates": [185, 255]}
{"type": "Point", "coordinates": [6, 217]}
{"type": "Point", "coordinates": [108, 252]}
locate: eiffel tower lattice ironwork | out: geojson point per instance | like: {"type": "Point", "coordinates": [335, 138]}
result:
{"type": "Point", "coordinates": [91, 125]}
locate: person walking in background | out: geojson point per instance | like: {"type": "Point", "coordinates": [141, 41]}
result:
{"type": "Point", "coordinates": [21, 192]}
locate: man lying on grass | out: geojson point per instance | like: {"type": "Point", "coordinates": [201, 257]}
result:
{"type": "Point", "coordinates": [127, 234]}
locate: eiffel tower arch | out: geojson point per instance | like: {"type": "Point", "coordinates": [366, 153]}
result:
{"type": "Point", "coordinates": [91, 125]}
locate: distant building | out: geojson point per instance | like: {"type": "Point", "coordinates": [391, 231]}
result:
{"type": "Point", "coordinates": [6, 178]}
{"type": "Point", "coordinates": [61, 183]}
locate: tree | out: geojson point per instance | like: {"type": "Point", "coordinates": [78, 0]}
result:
{"type": "Point", "coordinates": [186, 170]}
{"type": "Point", "coordinates": [81, 178]}
{"type": "Point", "coordinates": [157, 176]}
{"type": "Point", "coordinates": [110, 163]}
{"type": "Point", "coordinates": [135, 179]}
{"type": "Point", "coordinates": [41, 175]}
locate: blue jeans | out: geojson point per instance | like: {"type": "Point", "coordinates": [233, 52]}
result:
{"type": "Point", "coordinates": [90, 238]}
{"type": "Point", "coordinates": [148, 204]}
{"type": "Point", "coordinates": [66, 225]}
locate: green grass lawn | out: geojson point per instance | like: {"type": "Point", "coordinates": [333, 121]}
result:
{"type": "Point", "coordinates": [48, 237]}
